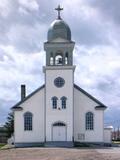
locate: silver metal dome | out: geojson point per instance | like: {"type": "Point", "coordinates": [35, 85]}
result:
{"type": "Point", "coordinates": [59, 29]}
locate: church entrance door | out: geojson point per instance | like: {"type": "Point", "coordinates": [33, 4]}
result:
{"type": "Point", "coordinates": [59, 132]}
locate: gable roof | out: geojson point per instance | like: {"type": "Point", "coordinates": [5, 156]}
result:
{"type": "Point", "coordinates": [16, 106]}
{"type": "Point", "coordinates": [101, 105]}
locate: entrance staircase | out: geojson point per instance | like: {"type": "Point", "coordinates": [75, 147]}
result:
{"type": "Point", "coordinates": [59, 144]}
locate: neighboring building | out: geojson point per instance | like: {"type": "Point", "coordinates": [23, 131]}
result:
{"type": "Point", "coordinates": [59, 110]}
{"type": "Point", "coordinates": [3, 135]}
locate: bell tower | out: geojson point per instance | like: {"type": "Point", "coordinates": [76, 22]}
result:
{"type": "Point", "coordinates": [59, 81]}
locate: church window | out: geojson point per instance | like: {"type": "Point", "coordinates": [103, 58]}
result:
{"type": "Point", "coordinates": [54, 102]}
{"type": "Point", "coordinates": [59, 82]}
{"type": "Point", "coordinates": [51, 59]}
{"type": "Point", "coordinates": [66, 58]}
{"type": "Point", "coordinates": [63, 102]}
{"type": "Point", "coordinates": [58, 60]}
{"type": "Point", "coordinates": [89, 121]}
{"type": "Point", "coordinates": [28, 121]}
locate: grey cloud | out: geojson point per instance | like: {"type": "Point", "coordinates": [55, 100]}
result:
{"type": "Point", "coordinates": [5, 109]}
{"type": "Point", "coordinates": [4, 55]}
{"type": "Point", "coordinates": [19, 29]}
{"type": "Point", "coordinates": [89, 34]}
{"type": "Point", "coordinates": [104, 86]}
{"type": "Point", "coordinates": [108, 83]}
{"type": "Point", "coordinates": [112, 116]}
{"type": "Point", "coordinates": [110, 9]}
{"type": "Point", "coordinates": [87, 31]}
{"type": "Point", "coordinates": [36, 70]}
{"type": "Point", "coordinates": [25, 36]}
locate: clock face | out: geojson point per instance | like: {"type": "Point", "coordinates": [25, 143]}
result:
{"type": "Point", "coordinates": [59, 82]}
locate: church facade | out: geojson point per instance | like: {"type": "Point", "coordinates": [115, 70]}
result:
{"type": "Point", "coordinates": [58, 111]}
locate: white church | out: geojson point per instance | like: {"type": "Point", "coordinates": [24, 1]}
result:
{"type": "Point", "coordinates": [59, 112]}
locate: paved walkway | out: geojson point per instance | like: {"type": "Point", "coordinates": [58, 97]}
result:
{"type": "Point", "coordinates": [60, 154]}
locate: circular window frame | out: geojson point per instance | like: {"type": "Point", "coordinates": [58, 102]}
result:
{"type": "Point", "coordinates": [59, 82]}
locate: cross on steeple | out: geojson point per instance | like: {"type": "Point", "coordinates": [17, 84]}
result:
{"type": "Point", "coordinates": [59, 9]}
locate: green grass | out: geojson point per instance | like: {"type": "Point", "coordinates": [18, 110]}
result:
{"type": "Point", "coordinates": [1, 145]}
{"type": "Point", "coordinates": [116, 142]}
{"type": "Point", "coordinates": [77, 144]}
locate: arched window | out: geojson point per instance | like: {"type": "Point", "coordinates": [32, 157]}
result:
{"type": "Point", "coordinates": [54, 102]}
{"type": "Point", "coordinates": [28, 121]}
{"type": "Point", "coordinates": [51, 59]}
{"type": "Point", "coordinates": [66, 58]}
{"type": "Point", "coordinates": [89, 121]}
{"type": "Point", "coordinates": [59, 58]}
{"type": "Point", "coordinates": [63, 102]}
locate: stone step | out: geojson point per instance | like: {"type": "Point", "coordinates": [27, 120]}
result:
{"type": "Point", "coordinates": [59, 144]}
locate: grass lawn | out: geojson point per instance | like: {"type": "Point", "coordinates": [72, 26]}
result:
{"type": "Point", "coordinates": [116, 142]}
{"type": "Point", "coordinates": [1, 145]}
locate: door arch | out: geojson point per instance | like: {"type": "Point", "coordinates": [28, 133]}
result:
{"type": "Point", "coordinates": [59, 131]}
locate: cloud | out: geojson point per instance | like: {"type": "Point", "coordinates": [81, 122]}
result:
{"type": "Point", "coordinates": [27, 38]}
{"type": "Point", "coordinates": [31, 5]}
{"type": "Point", "coordinates": [109, 9]}
{"type": "Point", "coordinates": [5, 8]}
{"type": "Point", "coordinates": [18, 69]}
{"type": "Point", "coordinates": [98, 71]}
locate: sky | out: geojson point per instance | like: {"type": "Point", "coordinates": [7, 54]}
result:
{"type": "Point", "coordinates": [95, 27]}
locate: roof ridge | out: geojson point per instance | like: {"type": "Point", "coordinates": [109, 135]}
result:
{"type": "Point", "coordinates": [76, 86]}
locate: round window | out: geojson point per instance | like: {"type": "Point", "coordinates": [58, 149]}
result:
{"type": "Point", "coordinates": [59, 82]}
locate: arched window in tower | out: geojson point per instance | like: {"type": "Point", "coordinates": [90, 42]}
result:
{"type": "Point", "coordinates": [63, 102]}
{"type": "Point", "coordinates": [66, 58]}
{"type": "Point", "coordinates": [89, 121]}
{"type": "Point", "coordinates": [54, 102]}
{"type": "Point", "coordinates": [51, 59]}
{"type": "Point", "coordinates": [28, 121]}
{"type": "Point", "coordinates": [59, 58]}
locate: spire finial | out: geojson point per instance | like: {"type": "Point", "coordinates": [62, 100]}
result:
{"type": "Point", "coordinates": [59, 9]}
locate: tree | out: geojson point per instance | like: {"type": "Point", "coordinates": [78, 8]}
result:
{"type": "Point", "coordinates": [9, 125]}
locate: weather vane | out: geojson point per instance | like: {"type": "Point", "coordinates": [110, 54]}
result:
{"type": "Point", "coordinates": [59, 9]}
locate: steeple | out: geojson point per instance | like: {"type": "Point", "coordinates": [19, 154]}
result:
{"type": "Point", "coordinates": [59, 9]}
{"type": "Point", "coordinates": [59, 47]}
